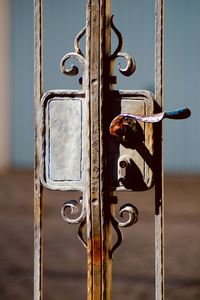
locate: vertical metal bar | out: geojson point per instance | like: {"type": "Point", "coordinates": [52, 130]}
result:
{"type": "Point", "coordinates": [159, 187]}
{"type": "Point", "coordinates": [97, 77]}
{"type": "Point", "coordinates": [38, 190]}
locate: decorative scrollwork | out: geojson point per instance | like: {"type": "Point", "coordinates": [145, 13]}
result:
{"type": "Point", "coordinates": [131, 64]}
{"type": "Point", "coordinates": [80, 232]}
{"type": "Point", "coordinates": [73, 71]}
{"type": "Point", "coordinates": [77, 55]}
{"type": "Point", "coordinates": [132, 219]}
{"type": "Point", "coordinates": [77, 41]}
{"type": "Point", "coordinates": [132, 213]}
{"type": "Point", "coordinates": [75, 207]}
{"type": "Point", "coordinates": [119, 235]}
{"type": "Point", "coordinates": [119, 36]}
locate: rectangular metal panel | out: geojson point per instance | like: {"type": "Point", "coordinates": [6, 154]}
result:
{"type": "Point", "coordinates": [65, 140]}
{"type": "Point", "coordinates": [62, 146]}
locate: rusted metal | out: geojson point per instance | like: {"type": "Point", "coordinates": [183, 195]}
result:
{"type": "Point", "coordinates": [99, 233]}
{"type": "Point", "coordinates": [91, 168]}
{"type": "Point", "coordinates": [38, 189]}
{"type": "Point", "coordinates": [137, 142]}
{"type": "Point", "coordinates": [120, 124]}
{"type": "Point", "coordinates": [159, 179]}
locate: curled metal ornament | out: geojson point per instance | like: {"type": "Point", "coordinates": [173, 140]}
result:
{"type": "Point", "coordinates": [119, 235]}
{"type": "Point", "coordinates": [119, 36]}
{"type": "Point", "coordinates": [73, 71]}
{"type": "Point", "coordinates": [130, 62]}
{"type": "Point", "coordinates": [77, 41]}
{"type": "Point", "coordinates": [77, 55]}
{"type": "Point", "coordinates": [74, 207]}
{"type": "Point", "coordinates": [81, 231]}
{"type": "Point", "coordinates": [132, 212]}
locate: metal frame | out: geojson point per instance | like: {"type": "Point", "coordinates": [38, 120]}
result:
{"type": "Point", "coordinates": [38, 188]}
{"type": "Point", "coordinates": [99, 231]}
{"type": "Point", "coordinates": [98, 202]}
{"type": "Point", "coordinates": [159, 176]}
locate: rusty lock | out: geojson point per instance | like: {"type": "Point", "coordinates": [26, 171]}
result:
{"type": "Point", "coordinates": [122, 124]}
{"type": "Point", "coordinates": [125, 127]}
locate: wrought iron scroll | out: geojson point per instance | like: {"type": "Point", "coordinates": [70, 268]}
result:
{"type": "Point", "coordinates": [132, 212]}
{"type": "Point", "coordinates": [128, 208]}
{"type": "Point", "coordinates": [77, 41]}
{"type": "Point", "coordinates": [77, 55]}
{"type": "Point", "coordinates": [130, 62]}
{"type": "Point", "coordinates": [75, 207]}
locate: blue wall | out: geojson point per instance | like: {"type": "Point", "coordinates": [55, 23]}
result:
{"type": "Point", "coordinates": [22, 82]}
{"type": "Point", "coordinates": [182, 80]}
{"type": "Point", "coordinates": [135, 19]}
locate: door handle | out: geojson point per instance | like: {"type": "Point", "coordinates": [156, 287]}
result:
{"type": "Point", "coordinates": [122, 124]}
{"type": "Point", "coordinates": [126, 129]}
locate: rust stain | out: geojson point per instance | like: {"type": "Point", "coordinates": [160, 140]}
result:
{"type": "Point", "coordinates": [97, 251]}
{"type": "Point", "coordinates": [117, 127]}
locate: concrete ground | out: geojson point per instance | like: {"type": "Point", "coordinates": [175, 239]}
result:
{"type": "Point", "coordinates": [65, 258]}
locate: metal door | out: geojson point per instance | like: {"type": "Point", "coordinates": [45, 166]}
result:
{"type": "Point", "coordinates": [114, 143]}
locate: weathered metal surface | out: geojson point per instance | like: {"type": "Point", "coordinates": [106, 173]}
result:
{"type": "Point", "coordinates": [139, 147]}
{"type": "Point", "coordinates": [118, 126]}
{"type": "Point", "coordinates": [73, 149]}
{"type": "Point", "coordinates": [65, 164]}
{"type": "Point", "coordinates": [76, 55]}
{"type": "Point", "coordinates": [135, 154]}
{"type": "Point", "coordinates": [126, 209]}
{"type": "Point", "coordinates": [63, 125]}
{"type": "Point", "coordinates": [99, 232]}
{"type": "Point", "coordinates": [130, 62]}
{"type": "Point", "coordinates": [158, 136]}
{"type": "Point", "coordinates": [76, 207]}
{"type": "Point", "coordinates": [38, 190]}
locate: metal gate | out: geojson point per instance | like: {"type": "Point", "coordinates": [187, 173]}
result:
{"type": "Point", "coordinates": [114, 143]}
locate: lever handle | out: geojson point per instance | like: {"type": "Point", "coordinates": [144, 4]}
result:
{"type": "Point", "coordinates": [119, 124]}
{"type": "Point", "coordinates": [178, 114]}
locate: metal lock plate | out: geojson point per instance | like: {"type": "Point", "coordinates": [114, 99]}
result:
{"type": "Point", "coordinates": [131, 165]}
{"type": "Point", "coordinates": [62, 146]}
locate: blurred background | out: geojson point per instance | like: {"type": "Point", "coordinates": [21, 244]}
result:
{"type": "Point", "coordinates": [64, 257]}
